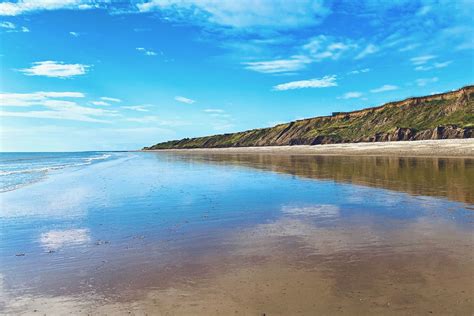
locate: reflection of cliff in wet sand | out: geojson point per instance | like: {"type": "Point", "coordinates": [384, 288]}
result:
{"type": "Point", "coordinates": [445, 177]}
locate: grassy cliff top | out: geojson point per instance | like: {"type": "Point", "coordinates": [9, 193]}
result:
{"type": "Point", "coordinates": [455, 108]}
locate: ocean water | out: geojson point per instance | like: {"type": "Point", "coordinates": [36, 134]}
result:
{"type": "Point", "coordinates": [20, 169]}
{"type": "Point", "coordinates": [206, 234]}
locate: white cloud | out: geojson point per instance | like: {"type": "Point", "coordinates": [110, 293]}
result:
{"type": "Point", "coordinates": [214, 111]}
{"type": "Point", "coordinates": [57, 115]}
{"type": "Point", "coordinates": [326, 47]}
{"type": "Point", "coordinates": [53, 106]}
{"type": "Point", "coordinates": [351, 95]}
{"type": "Point", "coordinates": [75, 34]}
{"type": "Point", "coordinates": [370, 49]}
{"type": "Point", "coordinates": [276, 14]}
{"type": "Point", "coordinates": [29, 6]}
{"type": "Point", "coordinates": [424, 81]}
{"type": "Point", "coordinates": [443, 64]}
{"type": "Point", "coordinates": [184, 100]}
{"type": "Point", "coordinates": [10, 27]}
{"type": "Point", "coordinates": [110, 99]}
{"type": "Point", "coordinates": [146, 51]}
{"type": "Point", "coordinates": [35, 98]}
{"type": "Point", "coordinates": [433, 66]}
{"type": "Point", "coordinates": [55, 69]}
{"type": "Point", "coordinates": [316, 49]}
{"type": "Point", "coordinates": [420, 60]}
{"type": "Point", "coordinates": [7, 25]}
{"type": "Point", "coordinates": [139, 108]}
{"type": "Point", "coordinates": [326, 81]}
{"type": "Point", "coordinates": [387, 87]}
{"type": "Point", "coordinates": [100, 103]}
{"type": "Point", "coordinates": [280, 65]}
{"type": "Point", "coordinates": [358, 71]}
{"type": "Point", "coordinates": [408, 47]}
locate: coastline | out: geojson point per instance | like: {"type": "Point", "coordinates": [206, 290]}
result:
{"type": "Point", "coordinates": [440, 148]}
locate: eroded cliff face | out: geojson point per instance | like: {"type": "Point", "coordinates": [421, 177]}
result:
{"type": "Point", "coordinates": [442, 116]}
{"type": "Point", "coordinates": [440, 132]}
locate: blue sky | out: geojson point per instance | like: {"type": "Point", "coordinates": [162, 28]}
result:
{"type": "Point", "coordinates": [105, 75]}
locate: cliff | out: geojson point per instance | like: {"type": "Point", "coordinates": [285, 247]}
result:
{"type": "Point", "coordinates": [441, 116]}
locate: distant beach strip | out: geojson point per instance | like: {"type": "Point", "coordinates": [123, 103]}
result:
{"type": "Point", "coordinates": [422, 148]}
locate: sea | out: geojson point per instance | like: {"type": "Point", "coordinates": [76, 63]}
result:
{"type": "Point", "coordinates": [18, 169]}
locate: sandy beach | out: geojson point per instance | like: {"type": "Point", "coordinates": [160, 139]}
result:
{"type": "Point", "coordinates": [422, 148]}
{"type": "Point", "coordinates": [162, 233]}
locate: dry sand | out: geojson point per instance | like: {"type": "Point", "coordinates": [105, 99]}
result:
{"type": "Point", "coordinates": [422, 148]}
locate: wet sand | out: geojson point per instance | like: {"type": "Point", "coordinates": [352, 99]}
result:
{"type": "Point", "coordinates": [422, 148]}
{"type": "Point", "coordinates": [171, 234]}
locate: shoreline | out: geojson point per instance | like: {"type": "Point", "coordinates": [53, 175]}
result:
{"type": "Point", "coordinates": [440, 148]}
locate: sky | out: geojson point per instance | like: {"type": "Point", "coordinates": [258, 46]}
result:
{"type": "Point", "coordinates": [81, 75]}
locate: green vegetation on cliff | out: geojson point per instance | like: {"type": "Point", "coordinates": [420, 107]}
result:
{"type": "Point", "coordinates": [446, 115]}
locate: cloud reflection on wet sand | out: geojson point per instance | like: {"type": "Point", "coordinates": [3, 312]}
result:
{"type": "Point", "coordinates": [55, 239]}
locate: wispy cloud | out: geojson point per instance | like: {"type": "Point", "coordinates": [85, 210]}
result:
{"type": "Point", "coordinates": [292, 64]}
{"type": "Point", "coordinates": [138, 108]}
{"type": "Point", "coordinates": [10, 27]}
{"type": "Point", "coordinates": [100, 103]}
{"type": "Point", "coordinates": [75, 34]}
{"type": "Point", "coordinates": [28, 6]}
{"type": "Point", "coordinates": [368, 50]}
{"type": "Point", "coordinates": [386, 87]}
{"type": "Point", "coordinates": [53, 106]}
{"type": "Point", "coordinates": [147, 52]}
{"type": "Point", "coordinates": [433, 66]}
{"type": "Point", "coordinates": [326, 81]}
{"type": "Point", "coordinates": [358, 71]}
{"type": "Point", "coordinates": [184, 100]}
{"type": "Point", "coordinates": [324, 47]}
{"type": "Point", "coordinates": [110, 99]}
{"type": "Point", "coordinates": [7, 25]}
{"type": "Point", "coordinates": [55, 69]}
{"type": "Point", "coordinates": [35, 98]}
{"type": "Point", "coordinates": [420, 60]}
{"type": "Point", "coordinates": [408, 47]}
{"type": "Point", "coordinates": [243, 14]}
{"type": "Point", "coordinates": [316, 49]}
{"type": "Point", "coordinates": [425, 81]}
{"type": "Point", "coordinates": [351, 95]}
{"type": "Point", "coordinates": [214, 111]}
